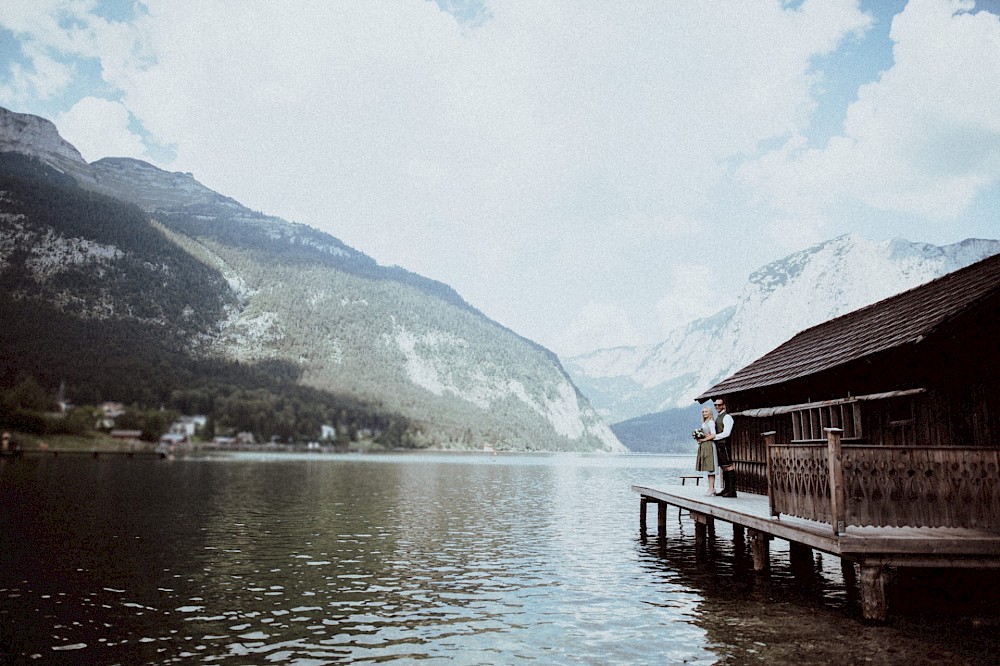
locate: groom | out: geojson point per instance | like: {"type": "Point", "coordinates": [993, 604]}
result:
{"type": "Point", "coordinates": [723, 434]}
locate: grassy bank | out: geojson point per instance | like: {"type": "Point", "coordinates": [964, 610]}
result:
{"type": "Point", "coordinates": [96, 442]}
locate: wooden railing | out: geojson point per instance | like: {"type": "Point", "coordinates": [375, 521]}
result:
{"type": "Point", "coordinates": [884, 486]}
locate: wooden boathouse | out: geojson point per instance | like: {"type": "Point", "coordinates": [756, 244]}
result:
{"type": "Point", "coordinates": [874, 436]}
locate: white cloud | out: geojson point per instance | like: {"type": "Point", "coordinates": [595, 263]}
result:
{"type": "Point", "coordinates": [474, 154]}
{"type": "Point", "coordinates": [923, 139]}
{"type": "Point", "coordinates": [41, 77]}
{"type": "Point", "coordinates": [55, 39]}
{"type": "Point", "coordinates": [408, 136]}
{"type": "Point", "coordinates": [537, 103]}
{"type": "Point", "coordinates": [100, 128]}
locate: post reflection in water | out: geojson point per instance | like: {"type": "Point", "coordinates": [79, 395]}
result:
{"type": "Point", "coordinates": [439, 558]}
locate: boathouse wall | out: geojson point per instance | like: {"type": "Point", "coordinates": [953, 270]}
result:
{"type": "Point", "coordinates": [927, 411]}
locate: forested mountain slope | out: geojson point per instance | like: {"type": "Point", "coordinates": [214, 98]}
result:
{"type": "Point", "coordinates": [132, 283]}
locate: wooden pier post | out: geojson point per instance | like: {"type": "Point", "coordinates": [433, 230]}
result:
{"type": "Point", "coordinates": [739, 552]}
{"type": "Point", "coordinates": [837, 495]}
{"type": "Point", "coordinates": [699, 537]}
{"type": "Point", "coordinates": [873, 582]}
{"type": "Point", "coordinates": [761, 550]}
{"type": "Point", "coordinates": [643, 503]}
{"type": "Point", "coordinates": [661, 520]}
{"type": "Point", "coordinates": [701, 522]}
{"type": "Point", "coordinates": [739, 538]}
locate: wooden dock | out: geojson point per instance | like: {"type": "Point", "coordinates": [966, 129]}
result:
{"type": "Point", "coordinates": [872, 549]}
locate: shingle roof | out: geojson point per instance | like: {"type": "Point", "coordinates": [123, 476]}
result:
{"type": "Point", "coordinates": [908, 317]}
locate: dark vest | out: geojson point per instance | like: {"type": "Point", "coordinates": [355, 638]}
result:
{"type": "Point", "coordinates": [719, 425]}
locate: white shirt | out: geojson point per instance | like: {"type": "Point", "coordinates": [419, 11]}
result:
{"type": "Point", "coordinates": [727, 427]}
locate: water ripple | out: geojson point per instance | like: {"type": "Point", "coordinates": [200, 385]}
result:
{"type": "Point", "coordinates": [441, 559]}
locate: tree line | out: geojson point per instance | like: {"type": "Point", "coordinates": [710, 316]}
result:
{"type": "Point", "coordinates": [296, 414]}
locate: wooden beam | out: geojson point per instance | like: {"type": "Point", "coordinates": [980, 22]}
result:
{"type": "Point", "coordinates": [643, 503]}
{"type": "Point", "coordinates": [661, 519]}
{"type": "Point", "coordinates": [933, 561]}
{"type": "Point", "coordinates": [837, 497]}
{"type": "Point", "coordinates": [768, 443]}
{"type": "Point", "coordinates": [922, 541]}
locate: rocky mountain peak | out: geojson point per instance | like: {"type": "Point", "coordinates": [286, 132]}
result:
{"type": "Point", "coordinates": [38, 137]}
{"type": "Point", "coordinates": [783, 271]}
{"type": "Point", "coordinates": [142, 183]}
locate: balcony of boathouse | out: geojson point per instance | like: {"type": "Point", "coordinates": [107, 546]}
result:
{"type": "Point", "coordinates": [874, 436]}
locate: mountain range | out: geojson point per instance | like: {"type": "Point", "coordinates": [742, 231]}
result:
{"type": "Point", "coordinates": [131, 283]}
{"type": "Point", "coordinates": [638, 388]}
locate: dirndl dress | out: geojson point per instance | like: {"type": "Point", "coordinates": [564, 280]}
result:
{"type": "Point", "coordinates": [705, 461]}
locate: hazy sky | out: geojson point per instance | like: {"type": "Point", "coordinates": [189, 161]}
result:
{"type": "Point", "coordinates": [588, 173]}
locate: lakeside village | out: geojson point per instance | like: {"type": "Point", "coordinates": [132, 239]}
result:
{"type": "Point", "coordinates": [187, 433]}
{"type": "Point", "coordinates": [113, 425]}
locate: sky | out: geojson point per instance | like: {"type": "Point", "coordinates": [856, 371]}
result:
{"type": "Point", "coordinates": [589, 174]}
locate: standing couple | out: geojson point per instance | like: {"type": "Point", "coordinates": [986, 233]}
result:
{"type": "Point", "coordinates": [713, 449]}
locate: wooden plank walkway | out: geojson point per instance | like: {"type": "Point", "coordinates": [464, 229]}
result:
{"type": "Point", "coordinates": [873, 549]}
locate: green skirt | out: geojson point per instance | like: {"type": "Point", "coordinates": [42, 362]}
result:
{"type": "Point", "coordinates": [705, 462]}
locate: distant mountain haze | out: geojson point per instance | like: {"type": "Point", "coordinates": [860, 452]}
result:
{"type": "Point", "coordinates": [779, 300]}
{"type": "Point", "coordinates": [168, 280]}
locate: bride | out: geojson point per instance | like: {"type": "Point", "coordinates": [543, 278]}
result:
{"type": "Point", "coordinates": [706, 460]}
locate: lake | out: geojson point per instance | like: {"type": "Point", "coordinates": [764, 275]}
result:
{"type": "Point", "coordinates": [436, 558]}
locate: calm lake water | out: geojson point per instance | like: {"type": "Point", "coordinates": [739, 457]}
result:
{"type": "Point", "coordinates": [436, 558]}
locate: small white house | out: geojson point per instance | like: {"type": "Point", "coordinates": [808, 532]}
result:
{"type": "Point", "coordinates": [189, 426]}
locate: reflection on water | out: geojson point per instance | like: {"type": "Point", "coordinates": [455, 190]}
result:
{"type": "Point", "coordinates": [462, 559]}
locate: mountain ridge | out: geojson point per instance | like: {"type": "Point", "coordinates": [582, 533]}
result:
{"type": "Point", "coordinates": [331, 317]}
{"type": "Point", "coordinates": [778, 300]}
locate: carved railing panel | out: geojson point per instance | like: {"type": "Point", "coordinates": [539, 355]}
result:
{"type": "Point", "coordinates": [799, 481]}
{"type": "Point", "coordinates": [890, 486]}
{"type": "Point", "coordinates": [931, 487]}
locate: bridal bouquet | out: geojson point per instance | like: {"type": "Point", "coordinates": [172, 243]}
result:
{"type": "Point", "coordinates": [698, 434]}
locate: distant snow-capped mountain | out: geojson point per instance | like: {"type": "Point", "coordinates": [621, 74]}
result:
{"type": "Point", "coordinates": [779, 300]}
